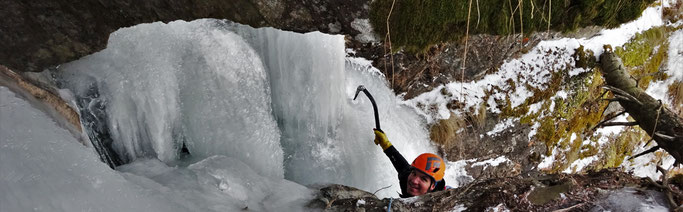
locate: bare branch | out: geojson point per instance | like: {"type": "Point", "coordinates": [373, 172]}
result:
{"type": "Point", "coordinates": [603, 94]}
{"type": "Point", "coordinates": [611, 100]}
{"type": "Point", "coordinates": [667, 189]}
{"type": "Point", "coordinates": [634, 79]}
{"type": "Point", "coordinates": [381, 189]}
{"type": "Point", "coordinates": [651, 150]}
{"type": "Point", "coordinates": [608, 119]}
{"type": "Point", "coordinates": [618, 97]}
{"type": "Point", "coordinates": [618, 92]}
{"type": "Point", "coordinates": [667, 138]}
{"type": "Point", "coordinates": [648, 141]}
{"type": "Point", "coordinates": [662, 170]}
{"type": "Point", "coordinates": [626, 98]}
{"type": "Point", "coordinates": [616, 123]}
{"type": "Point", "coordinates": [570, 208]}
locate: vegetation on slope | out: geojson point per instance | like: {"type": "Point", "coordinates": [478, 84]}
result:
{"type": "Point", "coordinates": [416, 24]}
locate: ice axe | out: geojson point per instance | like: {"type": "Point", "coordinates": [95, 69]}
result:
{"type": "Point", "coordinates": [374, 105]}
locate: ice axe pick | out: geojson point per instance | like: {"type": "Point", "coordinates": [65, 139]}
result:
{"type": "Point", "coordinates": [374, 105]}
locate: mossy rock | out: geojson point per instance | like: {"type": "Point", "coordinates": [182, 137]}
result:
{"type": "Point", "coordinates": [543, 195]}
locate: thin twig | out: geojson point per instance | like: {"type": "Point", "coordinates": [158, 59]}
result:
{"type": "Point", "coordinates": [667, 190]}
{"type": "Point", "coordinates": [618, 123]}
{"type": "Point", "coordinates": [381, 189]}
{"type": "Point", "coordinates": [653, 149]}
{"type": "Point", "coordinates": [511, 23]}
{"type": "Point", "coordinates": [603, 94]}
{"type": "Point", "coordinates": [478, 14]}
{"type": "Point", "coordinates": [648, 141]}
{"type": "Point", "coordinates": [610, 100]}
{"type": "Point", "coordinates": [532, 9]}
{"type": "Point", "coordinates": [464, 56]}
{"type": "Point", "coordinates": [659, 110]}
{"type": "Point", "coordinates": [603, 111]}
{"type": "Point", "coordinates": [550, 10]}
{"type": "Point", "coordinates": [570, 208]}
{"type": "Point", "coordinates": [390, 49]}
{"type": "Point", "coordinates": [618, 92]}
{"type": "Point", "coordinates": [665, 137]}
{"type": "Point", "coordinates": [609, 118]}
{"type": "Point", "coordinates": [521, 22]}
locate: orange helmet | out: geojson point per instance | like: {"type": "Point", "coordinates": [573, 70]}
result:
{"type": "Point", "coordinates": [431, 165]}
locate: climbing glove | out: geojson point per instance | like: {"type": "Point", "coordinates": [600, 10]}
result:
{"type": "Point", "coordinates": [381, 139]}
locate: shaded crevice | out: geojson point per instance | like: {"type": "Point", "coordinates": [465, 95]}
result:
{"type": "Point", "coordinates": [94, 119]}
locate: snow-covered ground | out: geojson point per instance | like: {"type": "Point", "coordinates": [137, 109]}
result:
{"type": "Point", "coordinates": [535, 68]}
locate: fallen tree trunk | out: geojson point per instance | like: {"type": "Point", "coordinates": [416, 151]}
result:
{"type": "Point", "coordinates": [663, 125]}
{"type": "Point", "coordinates": [54, 105]}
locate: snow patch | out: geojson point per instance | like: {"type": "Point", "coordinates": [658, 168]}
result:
{"type": "Point", "coordinates": [459, 208]}
{"type": "Point", "coordinates": [577, 71]}
{"type": "Point", "coordinates": [548, 160]}
{"type": "Point", "coordinates": [534, 130]}
{"type": "Point", "coordinates": [578, 165]}
{"type": "Point", "coordinates": [498, 208]}
{"type": "Point", "coordinates": [456, 175]}
{"type": "Point", "coordinates": [493, 162]}
{"type": "Point", "coordinates": [502, 126]}
{"type": "Point", "coordinates": [659, 90]}
{"type": "Point", "coordinates": [360, 203]}
{"type": "Point", "coordinates": [646, 165]}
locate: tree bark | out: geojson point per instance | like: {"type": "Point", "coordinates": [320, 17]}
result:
{"type": "Point", "coordinates": [663, 125]}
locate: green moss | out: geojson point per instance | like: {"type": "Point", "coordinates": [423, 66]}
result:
{"type": "Point", "coordinates": [644, 54]}
{"type": "Point", "coordinates": [521, 111]}
{"type": "Point", "coordinates": [416, 24]}
{"type": "Point", "coordinates": [543, 195]}
{"type": "Point", "coordinates": [617, 149]}
{"type": "Point", "coordinates": [590, 150]}
{"type": "Point", "coordinates": [575, 115]}
{"type": "Point", "coordinates": [584, 58]}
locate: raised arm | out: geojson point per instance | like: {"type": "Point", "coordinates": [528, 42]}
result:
{"type": "Point", "coordinates": [400, 163]}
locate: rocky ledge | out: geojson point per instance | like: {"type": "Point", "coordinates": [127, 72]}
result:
{"type": "Point", "coordinates": [594, 191]}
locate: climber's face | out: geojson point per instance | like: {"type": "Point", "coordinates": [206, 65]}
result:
{"type": "Point", "coordinates": [419, 183]}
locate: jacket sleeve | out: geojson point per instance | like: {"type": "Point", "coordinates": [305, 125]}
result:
{"type": "Point", "coordinates": [399, 162]}
{"type": "Point", "coordinates": [441, 185]}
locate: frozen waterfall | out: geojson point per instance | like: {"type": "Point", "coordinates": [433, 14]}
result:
{"type": "Point", "coordinates": [279, 102]}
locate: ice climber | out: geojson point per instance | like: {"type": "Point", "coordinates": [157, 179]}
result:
{"type": "Point", "coordinates": [424, 175]}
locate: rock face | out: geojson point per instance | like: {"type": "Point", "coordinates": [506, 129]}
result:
{"type": "Point", "coordinates": [38, 34]}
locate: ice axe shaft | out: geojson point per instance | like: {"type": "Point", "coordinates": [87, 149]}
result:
{"type": "Point", "coordinates": [374, 105]}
